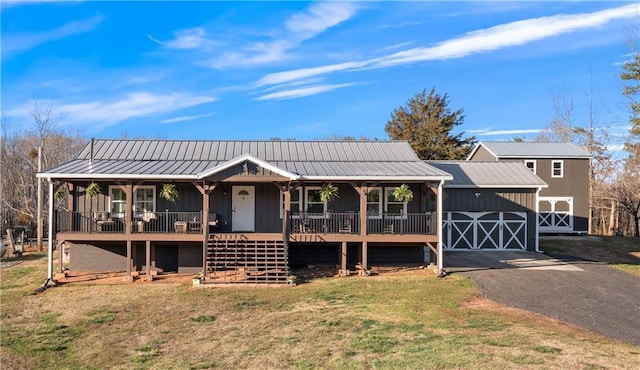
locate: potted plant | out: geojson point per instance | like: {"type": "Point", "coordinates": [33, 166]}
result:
{"type": "Point", "coordinates": [169, 192]}
{"type": "Point", "coordinates": [93, 189]}
{"type": "Point", "coordinates": [403, 193]}
{"type": "Point", "coordinates": [328, 192]}
{"type": "Point", "coordinates": [292, 279]}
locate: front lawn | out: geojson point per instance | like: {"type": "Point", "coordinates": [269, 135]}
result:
{"type": "Point", "coordinates": [410, 320]}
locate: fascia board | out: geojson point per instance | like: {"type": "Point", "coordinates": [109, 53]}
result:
{"type": "Point", "coordinates": [378, 178]}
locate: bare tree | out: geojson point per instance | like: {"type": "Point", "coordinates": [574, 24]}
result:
{"type": "Point", "coordinates": [19, 162]}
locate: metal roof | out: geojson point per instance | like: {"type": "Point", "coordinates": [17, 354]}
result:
{"type": "Point", "coordinates": [480, 174]}
{"type": "Point", "coordinates": [190, 160]}
{"type": "Point", "coordinates": [510, 149]}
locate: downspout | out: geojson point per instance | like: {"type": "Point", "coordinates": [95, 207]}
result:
{"type": "Point", "coordinates": [440, 255]}
{"type": "Point", "coordinates": [538, 219]}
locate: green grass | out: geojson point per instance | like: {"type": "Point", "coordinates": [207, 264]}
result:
{"type": "Point", "coordinates": [387, 322]}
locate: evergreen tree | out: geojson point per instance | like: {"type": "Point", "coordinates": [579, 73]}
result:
{"type": "Point", "coordinates": [426, 123]}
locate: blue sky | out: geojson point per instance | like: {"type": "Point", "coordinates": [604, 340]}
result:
{"type": "Point", "coordinates": [309, 70]}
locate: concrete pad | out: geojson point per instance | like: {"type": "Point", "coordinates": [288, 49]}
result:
{"type": "Point", "coordinates": [460, 261]}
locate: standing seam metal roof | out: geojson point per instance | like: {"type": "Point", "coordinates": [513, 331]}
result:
{"type": "Point", "coordinates": [190, 158]}
{"type": "Point", "coordinates": [489, 174]}
{"type": "Point", "coordinates": [508, 149]}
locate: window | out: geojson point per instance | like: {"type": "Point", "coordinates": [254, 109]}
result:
{"type": "Point", "coordinates": [557, 168]}
{"type": "Point", "coordinates": [374, 203]}
{"type": "Point", "coordinates": [117, 201]}
{"type": "Point", "coordinates": [314, 204]}
{"type": "Point", "coordinates": [391, 205]}
{"type": "Point", "coordinates": [531, 164]}
{"type": "Point", "coordinates": [296, 202]}
{"type": "Point", "coordinates": [145, 199]}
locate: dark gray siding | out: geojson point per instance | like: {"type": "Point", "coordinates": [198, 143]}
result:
{"type": "Point", "coordinates": [574, 183]}
{"type": "Point", "coordinates": [87, 257]}
{"type": "Point", "coordinates": [183, 258]}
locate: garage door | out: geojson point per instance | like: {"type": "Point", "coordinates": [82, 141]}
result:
{"type": "Point", "coordinates": [484, 230]}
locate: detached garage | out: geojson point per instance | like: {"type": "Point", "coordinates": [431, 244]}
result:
{"type": "Point", "coordinates": [489, 206]}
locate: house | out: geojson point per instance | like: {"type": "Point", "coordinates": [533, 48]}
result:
{"type": "Point", "coordinates": [489, 206]}
{"type": "Point", "coordinates": [564, 167]}
{"type": "Point", "coordinates": [246, 210]}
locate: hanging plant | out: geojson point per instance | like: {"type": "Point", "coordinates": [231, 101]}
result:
{"type": "Point", "coordinates": [60, 192]}
{"type": "Point", "coordinates": [93, 189]}
{"type": "Point", "coordinates": [403, 193]}
{"type": "Point", "coordinates": [328, 192]}
{"type": "Point", "coordinates": [169, 192]}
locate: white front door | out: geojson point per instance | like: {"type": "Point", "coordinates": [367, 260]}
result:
{"type": "Point", "coordinates": [243, 208]}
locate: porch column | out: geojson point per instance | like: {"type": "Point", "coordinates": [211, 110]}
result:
{"type": "Point", "coordinates": [439, 227]}
{"type": "Point", "coordinates": [129, 277]}
{"type": "Point", "coordinates": [51, 233]}
{"type": "Point", "coordinates": [128, 210]}
{"type": "Point", "coordinates": [365, 259]}
{"type": "Point", "coordinates": [343, 260]}
{"type": "Point", "coordinates": [71, 190]}
{"type": "Point", "coordinates": [147, 268]}
{"type": "Point", "coordinates": [205, 190]}
{"type": "Point", "coordinates": [286, 212]}
{"type": "Point", "coordinates": [363, 191]}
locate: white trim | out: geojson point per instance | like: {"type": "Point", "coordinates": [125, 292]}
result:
{"type": "Point", "coordinates": [388, 189]}
{"type": "Point", "coordinates": [380, 202]}
{"type": "Point", "coordinates": [250, 158]}
{"type": "Point", "coordinates": [378, 178]}
{"type": "Point", "coordinates": [300, 201]}
{"type": "Point", "coordinates": [561, 162]}
{"type": "Point", "coordinates": [50, 230]}
{"type": "Point", "coordinates": [534, 169]}
{"type": "Point", "coordinates": [475, 149]}
{"type": "Point", "coordinates": [135, 198]}
{"type": "Point", "coordinates": [119, 176]}
{"type": "Point", "coordinates": [538, 220]}
{"type": "Point", "coordinates": [111, 213]}
{"type": "Point", "coordinates": [306, 201]}
{"type": "Point", "coordinates": [496, 186]}
{"type": "Point", "coordinates": [440, 228]}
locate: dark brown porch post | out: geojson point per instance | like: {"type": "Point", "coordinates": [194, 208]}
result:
{"type": "Point", "coordinates": [129, 277]}
{"type": "Point", "coordinates": [147, 269]}
{"type": "Point", "coordinates": [128, 213]}
{"type": "Point", "coordinates": [343, 260]}
{"type": "Point", "coordinates": [205, 190]}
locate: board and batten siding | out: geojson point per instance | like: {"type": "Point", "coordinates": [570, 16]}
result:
{"type": "Point", "coordinates": [573, 183]}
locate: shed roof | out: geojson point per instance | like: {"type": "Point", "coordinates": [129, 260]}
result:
{"type": "Point", "coordinates": [510, 149]}
{"type": "Point", "coordinates": [195, 159]}
{"type": "Point", "coordinates": [480, 174]}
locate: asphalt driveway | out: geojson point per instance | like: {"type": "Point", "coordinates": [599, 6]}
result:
{"type": "Point", "coordinates": [587, 294]}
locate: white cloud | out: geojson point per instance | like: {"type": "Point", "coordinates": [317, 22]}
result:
{"type": "Point", "coordinates": [191, 38]}
{"type": "Point", "coordinates": [19, 42]}
{"type": "Point", "coordinates": [298, 28]}
{"type": "Point", "coordinates": [100, 114]}
{"type": "Point", "coordinates": [319, 17]}
{"type": "Point", "coordinates": [186, 118]}
{"type": "Point", "coordinates": [489, 132]}
{"type": "Point", "coordinates": [302, 92]}
{"type": "Point", "coordinates": [485, 40]}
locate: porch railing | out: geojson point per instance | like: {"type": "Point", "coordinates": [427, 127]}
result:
{"type": "Point", "coordinates": [147, 222]}
{"type": "Point", "coordinates": [349, 223]}
{"type": "Point", "coordinates": [410, 223]}
{"type": "Point", "coordinates": [325, 223]}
